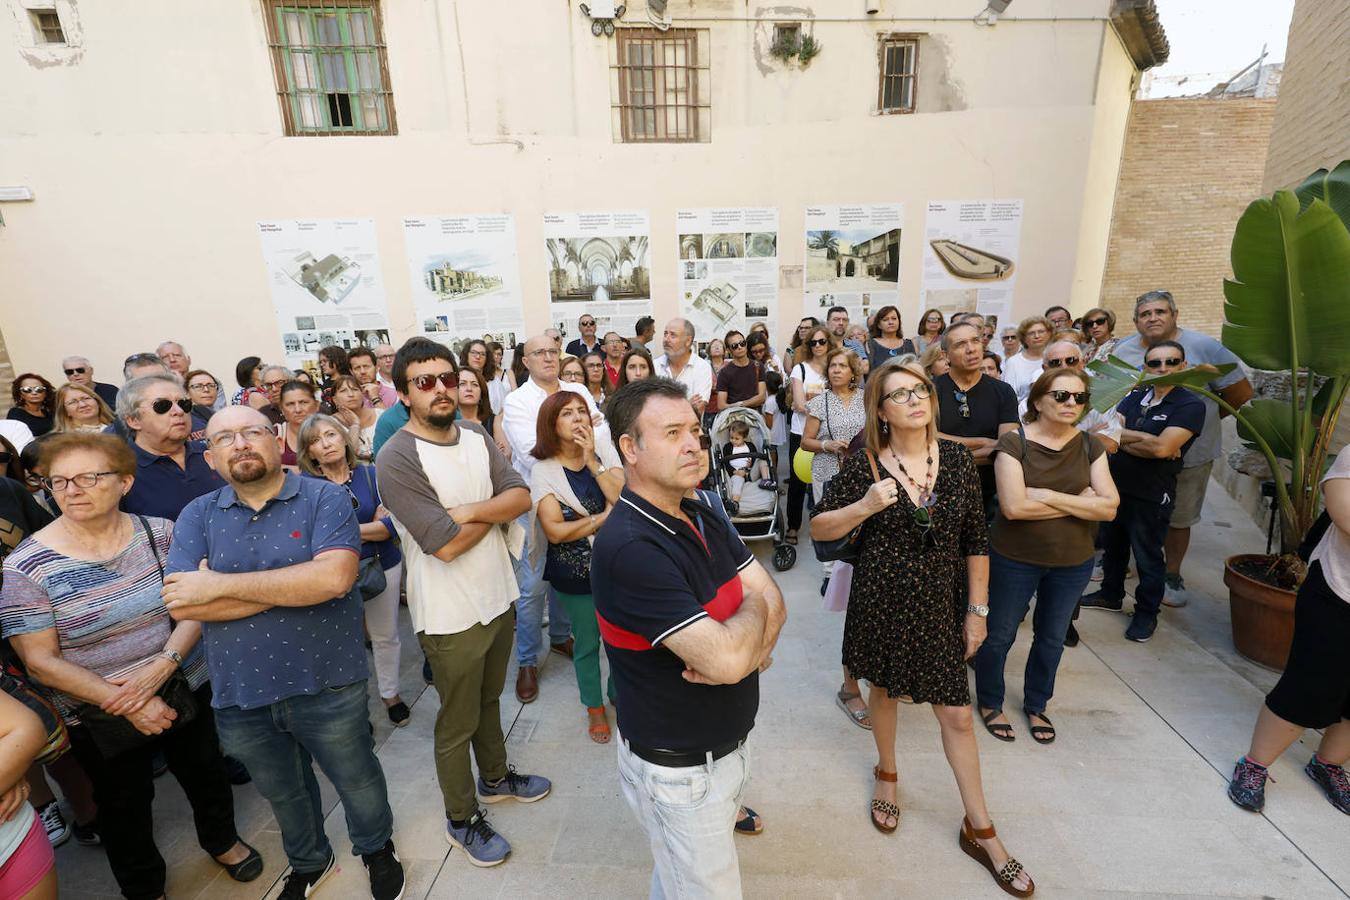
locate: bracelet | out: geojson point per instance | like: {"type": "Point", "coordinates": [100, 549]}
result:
{"type": "Point", "coordinates": [172, 656]}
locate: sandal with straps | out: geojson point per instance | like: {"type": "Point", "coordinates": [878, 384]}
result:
{"type": "Point", "coordinates": [1004, 876]}
{"type": "Point", "coordinates": [598, 731]}
{"type": "Point", "coordinates": [1041, 734]}
{"type": "Point", "coordinates": [885, 807]}
{"type": "Point", "coordinates": [1001, 730]}
{"type": "Point", "coordinates": [860, 717]}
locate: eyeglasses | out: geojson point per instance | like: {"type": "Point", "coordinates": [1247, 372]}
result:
{"type": "Point", "coordinates": [549, 352]}
{"type": "Point", "coordinates": [964, 408]}
{"type": "Point", "coordinates": [381, 357]}
{"type": "Point", "coordinates": [1067, 362]}
{"type": "Point", "coordinates": [1159, 363]}
{"type": "Point", "coordinates": [818, 342]}
{"type": "Point", "coordinates": [84, 479]}
{"type": "Point", "coordinates": [1079, 397]}
{"type": "Point", "coordinates": [77, 400]}
{"type": "Point", "coordinates": [1093, 323]}
{"type": "Point", "coordinates": [448, 380]}
{"type": "Point", "coordinates": [902, 395]}
{"type": "Point", "coordinates": [201, 385]}
{"type": "Point", "coordinates": [477, 351]}
{"type": "Point", "coordinates": [253, 434]}
{"type": "Point", "coordinates": [735, 345]}
{"type": "Point", "coordinates": [1008, 337]}
{"type": "Point", "coordinates": [273, 385]}
{"type": "Point", "coordinates": [79, 370]}
{"type": "Point", "coordinates": [33, 389]}
{"type": "Point", "coordinates": [164, 404]}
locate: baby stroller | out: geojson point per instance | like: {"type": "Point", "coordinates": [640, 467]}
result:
{"type": "Point", "coordinates": [761, 515]}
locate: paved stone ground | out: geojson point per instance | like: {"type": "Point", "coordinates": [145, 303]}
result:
{"type": "Point", "coordinates": [1129, 802]}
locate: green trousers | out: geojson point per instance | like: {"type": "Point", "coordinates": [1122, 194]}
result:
{"type": "Point", "coordinates": [586, 653]}
{"type": "Point", "coordinates": [470, 672]}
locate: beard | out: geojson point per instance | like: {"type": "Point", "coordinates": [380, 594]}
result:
{"type": "Point", "coordinates": [248, 469]}
{"type": "Point", "coordinates": [441, 420]}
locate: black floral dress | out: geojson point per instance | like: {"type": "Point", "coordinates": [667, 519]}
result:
{"type": "Point", "coordinates": [904, 627]}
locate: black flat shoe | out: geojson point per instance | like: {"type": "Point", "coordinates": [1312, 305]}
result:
{"type": "Point", "coordinates": [1071, 638]}
{"type": "Point", "coordinates": [247, 869]}
{"type": "Point", "coordinates": [1041, 734]}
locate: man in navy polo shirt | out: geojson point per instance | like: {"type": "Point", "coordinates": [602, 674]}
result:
{"type": "Point", "coordinates": [689, 620]}
{"type": "Point", "coordinates": [268, 563]}
{"type": "Point", "coordinates": [1161, 424]}
{"type": "Point", "coordinates": [170, 469]}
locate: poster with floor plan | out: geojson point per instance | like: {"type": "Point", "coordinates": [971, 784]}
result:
{"type": "Point", "coordinates": [970, 252]}
{"type": "Point", "coordinates": [599, 263]}
{"type": "Point", "coordinates": [324, 276]}
{"type": "Point", "coordinates": [727, 269]}
{"type": "Point", "coordinates": [852, 258]}
{"type": "Point", "coordinates": [465, 277]}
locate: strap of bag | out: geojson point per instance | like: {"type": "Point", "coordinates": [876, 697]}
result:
{"type": "Point", "coordinates": [872, 461]}
{"type": "Point", "coordinates": [149, 536]}
{"type": "Point", "coordinates": [1021, 432]}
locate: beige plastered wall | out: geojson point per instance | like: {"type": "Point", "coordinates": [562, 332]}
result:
{"type": "Point", "coordinates": [153, 154]}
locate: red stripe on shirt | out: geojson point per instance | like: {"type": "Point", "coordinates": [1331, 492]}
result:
{"type": "Point", "coordinates": [726, 601]}
{"type": "Point", "coordinates": [621, 637]}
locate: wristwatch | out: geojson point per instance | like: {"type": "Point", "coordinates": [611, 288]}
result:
{"type": "Point", "coordinates": [172, 655]}
{"type": "Point", "coordinates": [980, 610]}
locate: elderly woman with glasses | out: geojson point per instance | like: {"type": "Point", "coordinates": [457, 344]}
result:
{"type": "Point", "coordinates": [34, 403]}
{"type": "Point", "coordinates": [78, 408]}
{"type": "Point", "coordinates": [1022, 368]}
{"type": "Point", "coordinates": [329, 452]}
{"type": "Point", "coordinates": [1054, 486]}
{"type": "Point", "coordinates": [1099, 327]}
{"type": "Point", "coordinates": [81, 606]}
{"type": "Point", "coordinates": [916, 610]}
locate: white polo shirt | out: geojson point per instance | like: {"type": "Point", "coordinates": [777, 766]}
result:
{"type": "Point", "coordinates": [696, 375]}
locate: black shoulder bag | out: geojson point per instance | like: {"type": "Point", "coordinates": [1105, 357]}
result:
{"type": "Point", "coordinates": [849, 547]}
{"type": "Point", "coordinates": [114, 735]}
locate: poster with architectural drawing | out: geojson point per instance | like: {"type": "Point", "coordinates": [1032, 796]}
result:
{"type": "Point", "coordinates": [727, 269]}
{"type": "Point", "coordinates": [465, 277]}
{"type": "Point", "coordinates": [324, 275]}
{"type": "Point", "coordinates": [852, 258]}
{"type": "Point", "coordinates": [970, 252]}
{"type": "Point", "coordinates": [599, 263]}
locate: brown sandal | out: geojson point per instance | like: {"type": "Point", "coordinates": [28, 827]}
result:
{"type": "Point", "coordinates": [1005, 876]}
{"type": "Point", "coordinates": [599, 731]}
{"type": "Point", "coordinates": [885, 807]}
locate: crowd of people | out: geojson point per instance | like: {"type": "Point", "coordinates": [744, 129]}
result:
{"type": "Point", "coordinates": [200, 581]}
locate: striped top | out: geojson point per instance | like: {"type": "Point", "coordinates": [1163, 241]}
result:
{"type": "Point", "coordinates": [109, 616]}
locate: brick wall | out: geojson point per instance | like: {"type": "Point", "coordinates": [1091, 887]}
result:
{"type": "Point", "coordinates": [1189, 168]}
{"type": "Point", "coordinates": [1312, 120]}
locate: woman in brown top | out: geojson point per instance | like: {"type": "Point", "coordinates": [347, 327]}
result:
{"type": "Point", "coordinates": [1054, 485]}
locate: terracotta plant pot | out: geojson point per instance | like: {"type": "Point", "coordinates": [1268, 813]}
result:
{"type": "Point", "coordinates": [1262, 615]}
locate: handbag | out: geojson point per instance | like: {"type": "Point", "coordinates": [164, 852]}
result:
{"type": "Point", "coordinates": [114, 735]}
{"type": "Point", "coordinates": [849, 547]}
{"type": "Point", "coordinates": [370, 580]}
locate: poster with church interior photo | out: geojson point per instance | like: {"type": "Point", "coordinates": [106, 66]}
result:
{"type": "Point", "coordinates": [326, 286]}
{"type": "Point", "coordinates": [728, 269]}
{"type": "Point", "coordinates": [970, 252]}
{"type": "Point", "coordinates": [465, 277]}
{"type": "Point", "coordinates": [599, 263]}
{"type": "Point", "coordinates": [852, 259]}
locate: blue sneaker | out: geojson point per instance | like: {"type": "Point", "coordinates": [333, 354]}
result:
{"type": "Point", "coordinates": [525, 788]}
{"type": "Point", "coordinates": [1248, 787]}
{"type": "Point", "coordinates": [484, 846]}
{"type": "Point", "coordinates": [1332, 780]}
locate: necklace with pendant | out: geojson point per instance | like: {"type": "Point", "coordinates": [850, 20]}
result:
{"type": "Point", "coordinates": [926, 489]}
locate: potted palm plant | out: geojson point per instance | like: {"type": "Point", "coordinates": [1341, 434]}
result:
{"type": "Point", "coordinates": [1287, 309]}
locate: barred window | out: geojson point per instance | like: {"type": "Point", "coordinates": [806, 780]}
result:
{"type": "Point", "coordinates": [331, 70]}
{"type": "Point", "coordinates": [662, 85]}
{"type": "Point", "coordinates": [47, 24]}
{"type": "Point", "coordinates": [898, 61]}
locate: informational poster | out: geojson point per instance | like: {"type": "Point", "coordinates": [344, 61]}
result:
{"type": "Point", "coordinates": [326, 286]}
{"type": "Point", "coordinates": [970, 257]}
{"type": "Point", "coordinates": [852, 259]}
{"type": "Point", "coordinates": [728, 269]}
{"type": "Point", "coordinates": [465, 278]}
{"type": "Point", "coordinates": [599, 263]}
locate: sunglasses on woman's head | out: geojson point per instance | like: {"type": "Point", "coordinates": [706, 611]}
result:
{"type": "Point", "coordinates": [164, 404]}
{"type": "Point", "coordinates": [1169, 361]}
{"type": "Point", "coordinates": [448, 380]}
{"type": "Point", "coordinates": [1068, 361]}
{"type": "Point", "coordinates": [1079, 397]}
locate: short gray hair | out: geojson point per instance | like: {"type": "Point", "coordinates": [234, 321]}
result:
{"type": "Point", "coordinates": [945, 338]}
{"type": "Point", "coordinates": [1154, 297]}
{"type": "Point", "coordinates": [75, 359]}
{"type": "Point", "coordinates": [137, 360]}
{"type": "Point", "coordinates": [133, 392]}
{"type": "Point", "coordinates": [290, 373]}
{"type": "Point", "coordinates": [309, 432]}
{"type": "Point", "coordinates": [163, 344]}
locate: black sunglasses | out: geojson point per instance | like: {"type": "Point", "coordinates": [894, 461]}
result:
{"type": "Point", "coordinates": [164, 404]}
{"type": "Point", "coordinates": [818, 342]}
{"type": "Point", "coordinates": [5, 457]}
{"type": "Point", "coordinates": [448, 380]}
{"type": "Point", "coordinates": [1158, 363]}
{"type": "Point", "coordinates": [736, 346]}
{"type": "Point", "coordinates": [1093, 323]}
{"type": "Point", "coordinates": [1067, 362]}
{"type": "Point", "coordinates": [1079, 397]}
{"type": "Point", "coordinates": [964, 408]}
{"type": "Point", "coordinates": [76, 371]}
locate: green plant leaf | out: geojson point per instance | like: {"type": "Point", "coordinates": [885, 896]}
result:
{"type": "Point", "coordinates": [1113, 379]}
{"type": "Point", "coordinates": [1333, 389]}
{"type": "Point", "coordinates": [1332, 187]}
{"type": "Point", "coordinates": [1273, 420]}
{"type": "Point", "coordinates": [1290, 291]}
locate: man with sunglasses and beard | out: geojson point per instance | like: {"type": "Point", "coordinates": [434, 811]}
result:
{"type": "Point", "coordinates": [450, 488]}
{"type": "Point", "coordinates": [171, 470]}
{"type": "Point", "coordinates": [974, 409]}
{"type": "Point", "coordinates": [1161, 425]}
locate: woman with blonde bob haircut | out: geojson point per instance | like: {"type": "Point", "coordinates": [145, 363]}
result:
{"type": "Point", "coordinates": [918, 601]}
{"type": "Point", "coordinates": [78, 408]}
{"type": "Point", "coordinates": [1022, 368]}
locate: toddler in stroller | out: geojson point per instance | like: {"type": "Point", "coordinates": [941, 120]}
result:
{"type": "Point", "coordinates": [742, 461]}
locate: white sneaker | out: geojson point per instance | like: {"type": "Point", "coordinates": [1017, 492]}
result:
{"type": "Point", "coordinates": [1175, 595]}
{"type": "Point", "coordinates": [58, 832]}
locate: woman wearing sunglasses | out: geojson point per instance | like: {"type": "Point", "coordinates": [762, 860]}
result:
{"type": "Point", "coordinates": [808, 380]}
{"type": "Point", "coordinates": [1099, 327]}
{"type": "Point", "coordinates": [34, 403]}
{"type": "Point", "coordinates": [1054, 486]}
{"type": "Point", "coordinates": [915, 613]}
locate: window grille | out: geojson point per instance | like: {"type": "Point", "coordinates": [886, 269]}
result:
{"type": "Point", "coordinates": [664, 84]}
{"type": "Point", "coordinates": [898, 61]}
{"type": "Point", "coordinates": [48, 25]}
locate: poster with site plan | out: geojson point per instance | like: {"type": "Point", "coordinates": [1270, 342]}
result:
{"type": "Point", "coordinates": [465, 277]}
{"type": "Point", "coordinates": [324, 276]}
{"type": "Point", "coordinates": [852, 259]}
{"type": "Point", "coordinates": [970, 257]}
{"type": "Point", "coordinates": [727, 269]}
{"type": "Point", "coordinates": [599, 264]}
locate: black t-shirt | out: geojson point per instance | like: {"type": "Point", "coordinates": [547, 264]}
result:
{"type": "Point", "coordinates": [988, 404]}
{"type": "Point", "coordinates": [20, 515]}
{"type": "Point", "coordinates": [740, 382]}
{"type": "Point", "coordinates": [39, 425]}
{"type": "Point", "coordinates": [1155, 479]}
{"type": "Point", "coordinates": [651, 576]}
{"type": "Point", "coordinates": [108, 392]}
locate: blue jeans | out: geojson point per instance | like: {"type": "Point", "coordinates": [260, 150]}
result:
{"type": "Point", "coordinates": [530, 605]}
{"type": "Point", "coordinates": [278, 745]}
{"type": "Point", "coordinates": [1140, 527]}
{"type": "Point", "coordinates": [1011, 586]}
{"type": "Point", "coordinates": [690, 817]}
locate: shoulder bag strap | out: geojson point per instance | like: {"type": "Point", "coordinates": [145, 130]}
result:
{"type": "Point", "coordinates": [872, 461]}
{"type": "Point", "coordinates": [149, 536]}
{"type": "Point", "coordinates": [1022, 433]}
